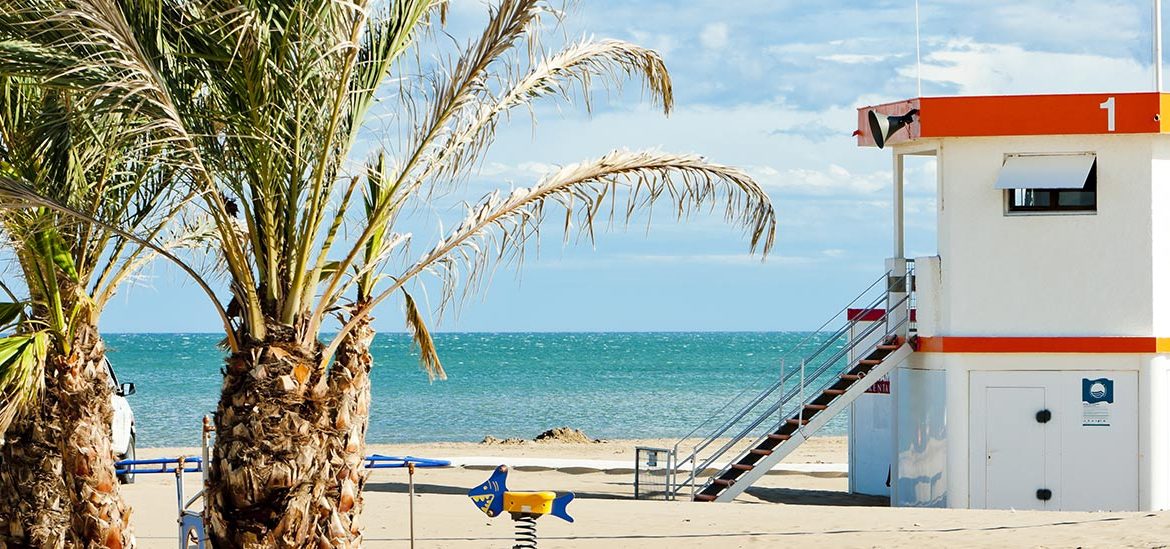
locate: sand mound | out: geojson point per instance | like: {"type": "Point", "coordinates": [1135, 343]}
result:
{"type": "Point", "coordinates": [564, 434]}
{"type": "Point", "coordinates": [493, 441]}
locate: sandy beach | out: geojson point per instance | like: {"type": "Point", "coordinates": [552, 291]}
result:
{"type": "Point", "coordinates": [790, 509]}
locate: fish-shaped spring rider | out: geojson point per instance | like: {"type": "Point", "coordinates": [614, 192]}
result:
{"type": "Point", "coordinates": [492, 497]}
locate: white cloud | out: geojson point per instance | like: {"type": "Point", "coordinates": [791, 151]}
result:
{"type": "Point", "coordinates": [714, 36]}
{"type": "Point", "coordinates": [713, 259]}
{"type": "Point", "coordinates": [853, 58]}
{"type": "Point", "coordinates": [661, 43]}
{"type": "Point", "coordinates": [831, 180]}
{"type": "Point", "coordinates": [974, 68]}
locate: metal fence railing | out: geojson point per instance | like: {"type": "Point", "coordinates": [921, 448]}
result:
{"type": "Point", "coordinates": [661, 473]}
{"type": "Point", "coordinates": [653, 473]}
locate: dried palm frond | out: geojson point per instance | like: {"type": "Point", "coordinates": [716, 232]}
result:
{"type": "Point", "coordinates": [456, 93]}
{"type": "Point", "coordinates": [428, 355]}
{"type": "Point", "coordinates": [499, 227]}
{"type": "Point", "coordinates": [465, 111]}
{"type": "Point", "coordinates": [582, 64]}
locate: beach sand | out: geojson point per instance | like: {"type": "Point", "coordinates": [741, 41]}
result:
{"type": "Point", "coordinates": [789, 510]}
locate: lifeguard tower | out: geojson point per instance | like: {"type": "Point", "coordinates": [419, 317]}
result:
{"type": "Point", "coordinates": [1027, 365]}
{"type": "Point", "coordinates": [1040, 377]}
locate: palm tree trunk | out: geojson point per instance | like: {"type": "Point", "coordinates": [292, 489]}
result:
{"type": "Point", "coordinates": [79, 386]}
{"type": "Point", "coordinates": [287, 466]}
{"type": "Point", "coordinates": [33, 504]}
{"type": "Point", "coordinates": [349, 388]}
{"type": "Point", "coordinates": [271, 465]}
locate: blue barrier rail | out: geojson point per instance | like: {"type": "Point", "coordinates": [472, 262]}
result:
{"type": "Point", "coordinates": [379, 461]}
{"type": "Point", "coordinates": [160, 465]}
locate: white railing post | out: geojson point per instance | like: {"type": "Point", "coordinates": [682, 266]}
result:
{"type": "Point", "coordinates": [800, 403]}
{"type": "Point", "coordinates": [694, 477]}
{"type": "Point", "coordinates": [780, 414]}
{"type": "Point", "coordinates": [897, 306]}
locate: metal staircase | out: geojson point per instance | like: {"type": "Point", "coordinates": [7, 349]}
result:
{"type": "Point", "coordinates": [759, 434]}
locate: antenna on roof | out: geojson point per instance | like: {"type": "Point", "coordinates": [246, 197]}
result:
{"type": "Point", "coordinates": [1158, 45]}
{"type": "Point", "coordinates": [918, 48]}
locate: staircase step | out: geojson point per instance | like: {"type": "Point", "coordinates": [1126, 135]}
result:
{"type": "Point", "coordinates": [704, 497]}
{"type": "Point", "coordinates": [795, 421]}
{"type": "Point", "coordinates": [834, 392]}
{"type": "Point", "coordinates": [778, 436]}
{"type": "Point", "coordinates": [852, 377]}
{"type": "Point", "coordinates": [888, 347]}
{"type": "Point", "coordinates": [722, 482]}
{"type": "Point", "coordinates": [760, 452]}
{"type": "Point", "coordinates": [743, 467]}
{"type": "Point", "coordinates": [817, 407]}
{"type": "Point", "coordinates": [869, 362]}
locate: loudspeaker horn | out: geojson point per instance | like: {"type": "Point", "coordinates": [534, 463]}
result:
{"type": "Point", "coordinates": [883, 127]}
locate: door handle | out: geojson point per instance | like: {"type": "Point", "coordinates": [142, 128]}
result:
{"type": "Point", "coordinates": [1043, 494]}
{"type": "Point", "coordinates": [1044, 416]}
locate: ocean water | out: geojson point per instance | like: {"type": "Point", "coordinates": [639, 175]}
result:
{"type": "Point", "coordinates": [610, 385]}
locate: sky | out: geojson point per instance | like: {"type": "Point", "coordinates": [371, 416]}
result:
{"type": "Point", "coordinates": [770, 86]}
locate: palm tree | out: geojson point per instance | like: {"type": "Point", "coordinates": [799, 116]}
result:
{"type": "Point", "coordinates": [262, 104]}
{"type": "Point", "coordinates": [58, 485]}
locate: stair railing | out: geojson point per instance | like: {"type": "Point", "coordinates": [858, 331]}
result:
{"type": "Point", "coordinates": [796, 393]}
{"type": "Point", "coordinates": [829, 351]}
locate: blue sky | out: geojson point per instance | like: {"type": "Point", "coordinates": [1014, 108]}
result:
{"type": "Point", "coordinates": [772, 87]}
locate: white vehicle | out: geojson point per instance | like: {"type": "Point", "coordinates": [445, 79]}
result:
{"type": "Point", "coordinates": [123, 422]}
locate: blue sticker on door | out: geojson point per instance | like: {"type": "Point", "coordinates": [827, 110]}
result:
{"type": "Point", "coordinates": [1096, 402]}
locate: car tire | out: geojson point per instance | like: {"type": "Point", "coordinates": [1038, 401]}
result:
{"type": "Point", "coordinates": [128, 476]}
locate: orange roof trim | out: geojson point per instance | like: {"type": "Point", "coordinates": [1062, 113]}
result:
{"type": "Point", "coordinates": [952, 344]}
{"type": "Point", "coordinates": [1006, 115]}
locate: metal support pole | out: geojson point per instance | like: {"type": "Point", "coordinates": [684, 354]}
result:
{"type": "Point", "coordinates": [1158, 46]}
{"type": "Point", "coordinates": [918, 45]}
{"type": "Point", "coordinates": [899, 227]}
{"type": "Point", "coordinates": [410, 491]}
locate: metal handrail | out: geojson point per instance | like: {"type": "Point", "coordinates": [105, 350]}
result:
{"type": "Point", "coordinates": [778, 408]}
{"type": "Point", "coordinates": [801, 343]}
{"type": "Point", "coordinates": [785, 378]}
{"type": "Point", "coordinates": [727, 425]}
{"type": "Point", "coordinates": [890, 330]}
{"type": "Point", "coordinates": [793, 392]}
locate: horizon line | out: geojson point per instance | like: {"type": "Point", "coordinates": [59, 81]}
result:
{"type": "Point", "coordinates": [403, 332]}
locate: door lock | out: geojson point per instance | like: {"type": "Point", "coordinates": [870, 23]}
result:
{"type": "Point", "coordinates": [1043, 416]}
{"type": "Point", "coordinates": [1043, 494]}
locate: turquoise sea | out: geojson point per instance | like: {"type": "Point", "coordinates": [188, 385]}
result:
{"type": "Point", "coordinates": [610, 385]}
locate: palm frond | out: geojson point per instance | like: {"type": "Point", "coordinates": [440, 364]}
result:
{"type": "Point", "coordinates": [689, 183]}
{"type": "Point", "coordinates": [22, 363]}
{"type": "Point", "coordinates": [499, 227]}
{"type": "Point", "coordinates": [113, 69]}
{"type": "Point", "coordinates": [15, 195]}
{"type": "Point", "coordinates": [581, 65]}
{"type": "Point", "coordinates": [507, 23]}
{"type": "Point", "coordinates": [465, 108]}
{"type": "Point", "coordinates": [428, 356]}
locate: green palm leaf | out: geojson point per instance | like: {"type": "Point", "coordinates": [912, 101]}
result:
{"type": "Point", "coordinates": [22, 363]}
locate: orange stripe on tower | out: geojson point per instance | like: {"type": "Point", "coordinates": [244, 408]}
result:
{"type": "Point", "coordinates": [1005, 115]}
{"type": "Point", "coordinates": [1040, 114]}
{"type": "Point", "coordinates": [948, 344]}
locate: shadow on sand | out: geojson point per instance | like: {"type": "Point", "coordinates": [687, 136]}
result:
{"type": "Point", "coordinates": [802, 496]}
{"type": "Point", "coordinates": [442, 489]}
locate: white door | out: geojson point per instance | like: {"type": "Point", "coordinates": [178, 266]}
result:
{"type": "Point", "coordinates": [1014, 448]}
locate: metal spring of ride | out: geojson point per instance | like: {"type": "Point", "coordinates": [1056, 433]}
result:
{"type": "Point", "coordinates": [525, 533]}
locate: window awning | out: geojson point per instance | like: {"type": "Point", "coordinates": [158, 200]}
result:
{"type": "Point", "coordinates": [1055, 171]}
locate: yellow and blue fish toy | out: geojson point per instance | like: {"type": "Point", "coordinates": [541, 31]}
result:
{"type": "Point", "coordinates": [492, 497]}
